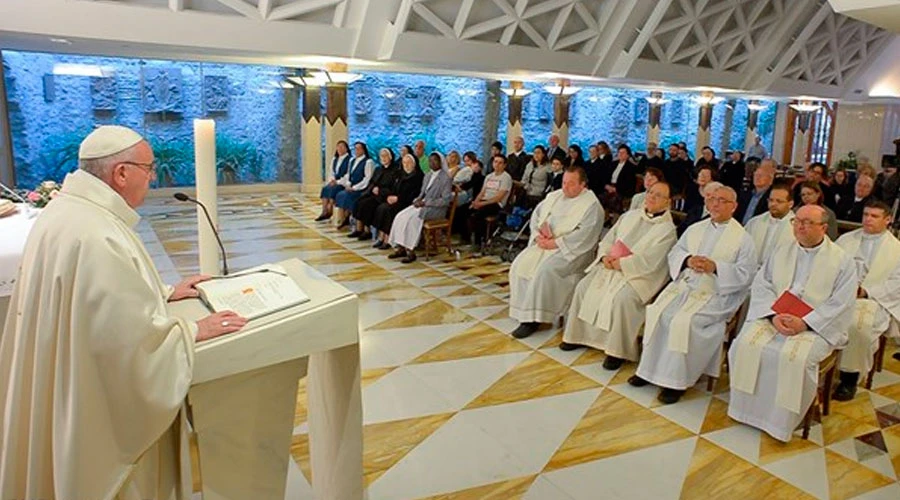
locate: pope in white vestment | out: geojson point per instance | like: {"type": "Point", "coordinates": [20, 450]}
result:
{"type": "Point", "coordinates": [774, 361]}
{"type": "Point", "coordinates": [773, 229]}
{"type": "Point", "coordinates": [93, 370]}
{"type": "Point", "coordinates": [876, 253]}
{"type": "Point", "coordinates": [565, 228]}
{"type": "Point", "coordinates": [712, 266]}
{"type": "Point", "coordinates": [608, 308]}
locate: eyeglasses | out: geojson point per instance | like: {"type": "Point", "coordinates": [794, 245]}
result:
{"type": "Point", "coordinates": [775, 200]}
{"type": "Point", "coordinates": [149, 168]}
{"type": "Point", "coordinates": [719, 199]}
{"type": "Point", "coordinates": [654, 196]}
{"type": "Point", "coordinates": [806, 222]}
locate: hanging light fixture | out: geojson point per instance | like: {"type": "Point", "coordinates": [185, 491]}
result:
{"type": "Point", "coordinates": [306, 79]}
{"type": "Point", "coordinates": [515, 89]}
{"type": "Point", "coordinates": [336, 73]}
{"type": "Point", "coordinates": [805, 106]}
{"type": "Point", "coordinates": [708, 99]}
{"type": "Point", "coordinates": [562, 87]}
{"type": "Point", "coordinates": [756, 106]}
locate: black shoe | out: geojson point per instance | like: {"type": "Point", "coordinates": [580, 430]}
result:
{"type": "Point", "coordinates": [896, 355]}
{"type": "Point", "coordinates": [410, 258]}
{"type": "Point", "coordinates": [398, 253]}
{"type": "Point", "coordinates": [524, 330]}
{"type": "Point", "coordinates": [669, 396]}
{"type": "Point", "coordinates": [846, 390]}
{"type": "Point", "coordinates": [612, 363]}
{"type": "Point", "coordinates": [354, 234]}
{"type": "Point", "coordinates": [379, 245]}
{"type": "Point", "coordinates": [565, 346]}
{"type": "Point", "coordinates": [344, 223]}
{"type": "Point", "coordinates": [636, 381]}
{"type": "Point", "coordinates": [323, 217]}
{"type": "Point", "coordinates": [365, 236]}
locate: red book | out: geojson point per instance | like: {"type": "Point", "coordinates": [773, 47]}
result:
{"type": "Point", "coordinates": [619, 250]}
{"type": "Point", "coordinates": [789, 303]}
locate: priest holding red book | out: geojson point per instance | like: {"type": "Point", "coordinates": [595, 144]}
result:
{"type": "Point", "coordinates": [801, 307]}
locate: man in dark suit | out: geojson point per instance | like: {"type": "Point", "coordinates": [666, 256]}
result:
{"type": "Point", "coordinates": [754, 201]}
{"type": "Point", "coordinates": [653, 158]}
{"type": "Point", "coordinates": [518, 159]}
{"type": "Point", "coordinates": [597, 170]}
{"type": "Point", "coordinates": [816, 172]}
{"type": "Point", "coordinates": [733, 171]}
{"type": "Point", "coordinates": [676, 172]}
{"type": "Point", "coordinates": [851, 209]}
{"type": "Point", "coordinates": [555, 150]}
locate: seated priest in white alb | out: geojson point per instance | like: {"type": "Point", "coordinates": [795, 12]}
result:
{"type": "Point", "coordinates": [93, 369]}
{"type": "Point", "coordinates": [876, 253]}
{"type": "Point", "coordinates": [772, 229]}
{"type": "Point", "coordinates": [801, 306]}
{"type": "Point", "coordinates": [608, 309]}
{"type": "Point", "coordinates": [712, 266]}
{"type": "Point", "coordinates": [565, 228]}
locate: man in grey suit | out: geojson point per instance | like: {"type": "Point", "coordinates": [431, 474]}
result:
{"type": "Point", "coordinates": [432, 203]}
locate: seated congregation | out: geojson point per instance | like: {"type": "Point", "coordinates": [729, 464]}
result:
{"type": "Point", "coordinates": [748, 275]}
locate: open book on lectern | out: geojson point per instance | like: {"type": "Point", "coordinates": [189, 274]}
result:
{"type": "Point", "coordinates": [252, 293]}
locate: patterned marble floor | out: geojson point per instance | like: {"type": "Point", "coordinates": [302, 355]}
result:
{"type": "Point", "coordinates": [455, 408]}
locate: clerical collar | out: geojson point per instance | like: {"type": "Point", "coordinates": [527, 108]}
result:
{"type": "Point", "coordinates": [812, 249]}
{"type": "Point", "coordinates": [653, 216]}
{"type": "Point", "coordinates": [718, 224]}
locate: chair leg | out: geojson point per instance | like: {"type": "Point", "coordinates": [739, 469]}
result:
{"type": "Point", "coordinates": [879, 355]}
{"type": "Point", "coordinates": [869, 379]}
{"type": "Point", "coordinates": [449, 241]}
{"type": "Point", "coordinates": [808, 417]}
{"type": "Point", "coordinates": [711, 383]}
{"type": "Point", "coordinates": [829, 388]}
{"type": "Point", "coordinates": [428, 237]}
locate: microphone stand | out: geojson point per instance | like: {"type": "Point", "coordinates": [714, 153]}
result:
{"type": "Point", "coordinates": [184, 197]}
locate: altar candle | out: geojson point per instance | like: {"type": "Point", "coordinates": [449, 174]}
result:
{"type": "Point", "coordinates": [205, 170]}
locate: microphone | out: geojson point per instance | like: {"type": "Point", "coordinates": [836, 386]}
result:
{"type": "Point", "coordinates": [184, 197]}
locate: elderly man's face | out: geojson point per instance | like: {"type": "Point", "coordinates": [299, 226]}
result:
{"type": "Point", "coordinates": [864, 186]}
{"type": "Point", "coordinates": [132, 178]}
{"type": "Point", "coordinates": [420, 148]}
{"type": "Point", "coordinates": [553, 141]}
{"type": "Point", "coordinates": [518, 143]}
{"type": "Point", "coordinates": [657, 199]}
{"type": "Point", "coordinates": [763, 177]}
{"type": "Point", "coordinates": [593, 152]}
{"type": "Point", "coordinates": [572, 185]}
{"type": "Point", "coordinates": [721, 204]}
{"type": "Point", "coordinates": [810, 225]}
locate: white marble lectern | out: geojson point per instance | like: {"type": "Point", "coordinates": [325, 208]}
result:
{"type": "Point", "coordinates": [244, 393]}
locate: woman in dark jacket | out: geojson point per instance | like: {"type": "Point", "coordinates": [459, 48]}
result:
{"type": "Point", "coordinates": [576, 156]}
{"type": "Point", "coordinates": [407, 186]}
{"type": "Point", "coordinates": [382, 181]}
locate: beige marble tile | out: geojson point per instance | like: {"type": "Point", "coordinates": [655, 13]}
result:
{"type": "Point", "coordinates": [434, 312]}
{"type": "Point", "coordinates": [537, 376]}
{"type": "Point", "coordinates": [513, 489]}
{"type": "Point", "coordinates": [715, 473]}
{"type": "Point", "coordinates": [479, 340]}
{"type": "Point", "coordinates": [484, 300]}
{"type": "Point", "coordinates": [892, 442]}
{"type": "Point", "coordinates": [386, 443]}
{"type": "Point", "coordinates": [445, 282]}
{"type": "Point", "coordinates": [501, 314]}
{"type": "Point", "coordinates": [336, 258]}
{"type": "Point", "coordinates": [849, 419]}
{"type": "Point", "coordinates": [773, 450]}
{"type": "Point", "coordinates": [463, 292]}
{"type": "Point", "coordinates": [553, 341]}
{"type": "Point", "coordinates": [428, 273]}
{"type": "Point", "coordinates": [589, 357]}
{"type": "Point", "coordinates": [624, 373]}
{"type": "Point", "coordinates": [365, 272]}
{"type": "Point", "coordinates": [848, 479]}
{"type": "Point", "coordinates": [716, 417]}
{"type": "Point", "coordinates": [614, 425]}
{"type": "Point", "coordinates": [396, 291]}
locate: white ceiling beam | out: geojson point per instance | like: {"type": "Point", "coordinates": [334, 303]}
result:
{"type": "Point", "coordinates": [507, 9]}
{"type": "Point", "coordinates": [176, 5]}
{"type": "Point", "coordinates": [614, 55]}
{"type": "Point", "coordinates": [587, 17]}
{"type": "Point", "coordinates": [431, 18]}
{"type": "Point", "coordinates": [487, 26]}
{"type": "Point", "coordinates": [265, 6]}
{"type": "Point", "coordinates": [241, 7]}
{"type": "Point", "coordinates": [543, 7]}
{"type": "Point", "coordinates": [371, 25]}
{"type": "Point", "coordinates": [780, 42]}
{"type": "Point", "coordinates": [298, 8]}
{"type": "Point", "coordinates": [562, 17]}
{"type": "Point", "coordinates": [873, 53]}
{"type": "Point", "coordinates": [533, 34]}
{"type": "Point", "coordinates": [462, 17]}
{"type": "Point", "coordinates": [340, 15]}
{"type": "Point", "coordinates": [575, 38]}
{"type": "Point", "coordinates": [401, 23]}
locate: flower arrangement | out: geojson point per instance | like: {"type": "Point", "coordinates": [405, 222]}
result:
{"type": "Point", "coordinates": [42, 194]}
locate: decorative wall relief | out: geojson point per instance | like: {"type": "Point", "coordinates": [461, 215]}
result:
{"type": "Point", "coordinates": [215, 93]}
{"type": "Point", "coordinates": [49, 88]}
{"type": "Point", "coordinates": [429, 101]}
{"type": "Point", "coordinates": [676, 113]}
{"type": "Point", "coordinates": [546, 107]}
{"type": "Point", "coordinates": [640, 111]}
{"type": "Point", "coordinates": [104, 93]}
{"type": "Point", "coordinates": [162, 90]}
{"type": "Point", "coordinates": [393, 100]}
{"type": "Point", "coordinates": [362, 102]}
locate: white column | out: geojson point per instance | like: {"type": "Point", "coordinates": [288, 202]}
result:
{"type": "Point", "coordinates": [205, 170]}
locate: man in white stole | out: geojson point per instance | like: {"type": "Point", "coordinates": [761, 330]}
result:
{"type": "Point", "coordinates": [712, 266]}
{"type": "Point", "coordinates": [93, 370]}
{"type": "Point", "coordinates": [608, 308]}
{"type": "Point", "coordinates": [774, 361]}
{"type": "Point", "coordinates": [876, 253]}
{"type": "Point", "coordinates": [565, 228]}
{"type": "Point", "coordinates": [772, 229]}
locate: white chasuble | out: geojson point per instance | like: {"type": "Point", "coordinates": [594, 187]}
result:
{"type": "Point", "coordinates": [769, 233]}
{"type": "Point", "coordinates": [878, 270]}
{"type": "Point", "coordinates": [685, 325]}
{"type": "Point", "coordinates": [607, 310]}
{"type": "Point", "coordinates": [541, 281]}
{"type": "Point", "coordinates": [93, 370]}
{"type": "Point", "coordinates": [774, 378]}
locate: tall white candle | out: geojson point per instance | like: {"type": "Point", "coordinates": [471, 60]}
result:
{"type": "Point", "coordinates": [205, 169]}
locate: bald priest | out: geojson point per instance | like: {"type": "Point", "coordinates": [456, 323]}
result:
{"type": "Point", "coordinates": [801, 305]}
{"type": "Point", "coordinates": [93, 370]}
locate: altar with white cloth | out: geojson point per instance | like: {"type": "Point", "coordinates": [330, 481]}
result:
{"type": "Point", "coordinates": [14, 231]}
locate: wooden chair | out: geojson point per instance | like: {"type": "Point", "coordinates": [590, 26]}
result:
{"type": "Point", "coordinates": [879, 361]}
{"type": "Point", "coordinates": [438, 229]}
{"type": "Point", "coordinates": [731, 330]}
{"type": "Point", "coordinates": [821, 404]}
